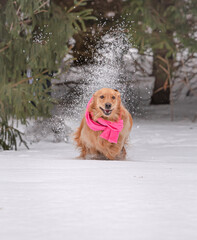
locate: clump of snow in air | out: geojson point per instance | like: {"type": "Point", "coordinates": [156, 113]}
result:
{"type": "Point", "coordinates": [107, 70]}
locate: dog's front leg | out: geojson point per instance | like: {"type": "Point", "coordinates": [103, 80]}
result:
{"type": "Point", "coordinates": [83, 152]}
{"type": "Point", "coordinates": [114, 151]}
{"type": "Point", "coordinates": [110, 150]}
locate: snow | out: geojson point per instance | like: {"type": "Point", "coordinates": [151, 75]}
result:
{"type": "Point", "coordinates": [46, 193]}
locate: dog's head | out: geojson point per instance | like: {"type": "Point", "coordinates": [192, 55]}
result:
{"type": "Point", "coordinates": [106, 104]}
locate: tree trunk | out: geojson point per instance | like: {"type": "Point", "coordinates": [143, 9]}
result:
{"type": "Point", "coordinates": [161, 95]}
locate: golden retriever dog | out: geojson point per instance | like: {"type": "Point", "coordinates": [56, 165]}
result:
{"type": "Point", "coordinates": [104, 107]}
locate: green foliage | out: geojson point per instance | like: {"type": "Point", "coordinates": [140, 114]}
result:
{"type": "Point", "coordinates": [160, 24]}
{"type": "Point", "coordinates": [167, 28]}
{"type": "Point", "coordinates": [33, 38]}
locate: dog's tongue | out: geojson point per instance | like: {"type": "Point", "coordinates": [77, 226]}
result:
{"type": "Point", "coordinates": [107, 111]}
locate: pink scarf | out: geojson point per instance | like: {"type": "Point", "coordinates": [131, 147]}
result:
{"type": "Point", "coordinates": [110, 129]}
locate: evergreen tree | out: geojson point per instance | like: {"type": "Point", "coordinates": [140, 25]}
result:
{"type": "Point", "coordinates": [166, 27]}
{"type": "Point", "coordinates": [33, 41]}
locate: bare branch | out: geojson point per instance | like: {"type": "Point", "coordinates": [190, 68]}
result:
{"type": "Point", "coordinates": [27, 79]}
{"type": "Point", "coordinates": [75, 6]}
{"type": "Point", "coordinates": [42, 5]}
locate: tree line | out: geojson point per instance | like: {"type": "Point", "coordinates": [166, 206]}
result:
{"type": "Point", "coordinates": [34, 39]}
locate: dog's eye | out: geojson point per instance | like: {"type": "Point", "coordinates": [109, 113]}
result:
{"type": "Point", "coordinates": [102, 97]}
{"type": "Point", "coordinates": [113, 97]}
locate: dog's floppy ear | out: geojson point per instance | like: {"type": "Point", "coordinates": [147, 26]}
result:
{"type": "Point", "coordinates": [117, 93]}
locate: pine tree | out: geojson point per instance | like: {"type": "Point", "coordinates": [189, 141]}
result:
{"type": "Point", "coordinates": [33, 41]}
{"type": "Point", "coordinates": [166, 27]}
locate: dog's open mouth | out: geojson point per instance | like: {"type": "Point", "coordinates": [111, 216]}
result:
{"type": "Point", "coordinates": [106, 111]}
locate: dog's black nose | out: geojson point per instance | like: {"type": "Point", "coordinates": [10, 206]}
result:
{"type": "Point", "coordinates": [107, 105]}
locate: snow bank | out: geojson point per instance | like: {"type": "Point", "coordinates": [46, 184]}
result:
{"type": "Point", "coordinates": [46, 193]}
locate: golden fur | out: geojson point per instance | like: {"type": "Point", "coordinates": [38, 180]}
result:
{"type": "Point", "coordinates": [89, 141]}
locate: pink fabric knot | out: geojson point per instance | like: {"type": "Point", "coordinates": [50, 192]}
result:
{"type": "Point", "coordinates": [110, 129]}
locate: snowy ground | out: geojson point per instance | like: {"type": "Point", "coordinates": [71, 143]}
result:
{"type": "Point", "coordinates": [47, 194]}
